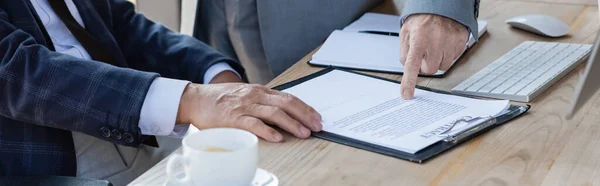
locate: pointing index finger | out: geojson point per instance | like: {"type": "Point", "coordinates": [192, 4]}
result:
{"type": "Point", "coordinates": [412, 67]}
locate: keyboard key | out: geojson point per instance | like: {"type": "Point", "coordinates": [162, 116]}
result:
{"type": "Point", "coordinates": [500, 89]}
{"type": "Point", "coordinates": [516, 88]}
{"type": "Point", "coordinates": [486, 89]}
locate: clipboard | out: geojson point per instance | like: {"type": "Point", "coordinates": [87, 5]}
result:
{"type": "Point", "coordinates": [427, 153]}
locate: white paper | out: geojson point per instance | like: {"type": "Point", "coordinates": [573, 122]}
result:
{"type": "Point", "coordinates": [359, 50]}
{"type": "Point", "coordinates": [371, 110]}
{"type": "Point", "coordinates": [375, 21]}
{"type": "Point", "coordinates": [351, 49]}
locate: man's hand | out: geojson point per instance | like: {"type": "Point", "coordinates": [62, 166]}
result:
{"type": "Point", "coordinates": [428, 43]}
{"type": "Point", "coordinates": [248, 107]}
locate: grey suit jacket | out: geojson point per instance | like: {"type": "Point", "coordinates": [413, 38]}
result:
{"type": "Point", "coordinates": [268, 36]}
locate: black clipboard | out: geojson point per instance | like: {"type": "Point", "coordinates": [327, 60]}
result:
{"type": "Point", "coordinates": [421, 156]}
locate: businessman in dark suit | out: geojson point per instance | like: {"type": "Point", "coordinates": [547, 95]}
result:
{"type": "Point", "coordinates": [75, 71]}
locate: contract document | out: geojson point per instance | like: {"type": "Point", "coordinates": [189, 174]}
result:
{"type": "Point", "coordinates": [371, 110]}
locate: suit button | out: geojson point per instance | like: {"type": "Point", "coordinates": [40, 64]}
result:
{"type": "Point", "coordinates": [128, 138]}
{"type": "Point", "coordinates": [116, 134]}
{"type": "Point", "coordinates": [105, 132]}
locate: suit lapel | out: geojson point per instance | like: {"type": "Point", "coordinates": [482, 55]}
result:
{"type": "Point", "coordinates": [23, 16]}
{"type": "Point", "coordinates": [93, 22]}
{"type": "Point", "coordinates": [95, 25]}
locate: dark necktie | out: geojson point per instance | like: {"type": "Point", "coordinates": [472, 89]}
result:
{"type": "Point", "coordinates": [91, 44]}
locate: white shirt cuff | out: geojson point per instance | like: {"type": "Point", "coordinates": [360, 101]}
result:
{"type": "Point", "coordinates": [160, 107]}
{"type": "Point", "coordinates": [216, 69]}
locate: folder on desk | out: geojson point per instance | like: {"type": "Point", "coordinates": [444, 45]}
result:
{"type": "Point", "coordinates": [352, 48]}
{"type": "Point", "coordinates": [367, 112]}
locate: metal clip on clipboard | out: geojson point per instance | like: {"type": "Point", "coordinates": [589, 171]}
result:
{"type": "Point", "coordinates": [466, 132]}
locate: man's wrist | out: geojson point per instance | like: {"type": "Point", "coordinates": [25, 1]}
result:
{"type": "Point", "coordinates": [461, 11]}
{"type": "Point", "coordinates": [191, 94]}
{"type": "Point", "coordinates": [185, 105]}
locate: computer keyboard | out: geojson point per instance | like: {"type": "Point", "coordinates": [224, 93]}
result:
{"type": "Point", "coordinates": [525, 71]}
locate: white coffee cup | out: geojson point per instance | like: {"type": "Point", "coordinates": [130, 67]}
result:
{"type": "Point", "coordinates": [235, 167]}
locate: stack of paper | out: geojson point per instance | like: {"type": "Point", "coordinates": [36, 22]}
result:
{"type": "Point", "coordinates": [349, 48]}
{"type": "Point", "coordinates": [371, 110]}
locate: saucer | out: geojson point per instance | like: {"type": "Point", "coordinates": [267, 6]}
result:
{"type": "Point", "coordinates": [264, 178]}
{"type": "Point", "coordinates": [261, 178]}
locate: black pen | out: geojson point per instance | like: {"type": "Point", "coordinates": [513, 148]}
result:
{"type": "Point", "coordinates": [380, 33]}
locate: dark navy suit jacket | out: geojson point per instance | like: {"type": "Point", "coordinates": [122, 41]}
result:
{"type": "Point", "coordinates": [44, 95]}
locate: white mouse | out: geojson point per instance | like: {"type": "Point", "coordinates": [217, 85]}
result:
{"type": "Point", "coordinates": [540, 24]}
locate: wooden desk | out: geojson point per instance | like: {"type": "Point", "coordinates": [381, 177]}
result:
{"type": "Point", "coordinates": [541, 148]}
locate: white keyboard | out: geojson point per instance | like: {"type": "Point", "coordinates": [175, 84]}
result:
{"type": "Point", "coordinates": [525, 71]}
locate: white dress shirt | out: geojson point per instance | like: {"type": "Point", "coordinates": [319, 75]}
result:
{"type": "Point", "coordinates": [160, 107]}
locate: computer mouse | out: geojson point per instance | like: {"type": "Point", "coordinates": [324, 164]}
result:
{"type": "Point", "coordinates": [540, 24]}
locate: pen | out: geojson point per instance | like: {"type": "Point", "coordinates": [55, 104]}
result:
{"type": "Point", "coordinates": [379, 32]}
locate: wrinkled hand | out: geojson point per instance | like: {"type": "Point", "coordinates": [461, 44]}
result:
{"type": "Point", "coordinates": [248, 107]}
{"type": "Point", "coordinates": [428, 43]}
